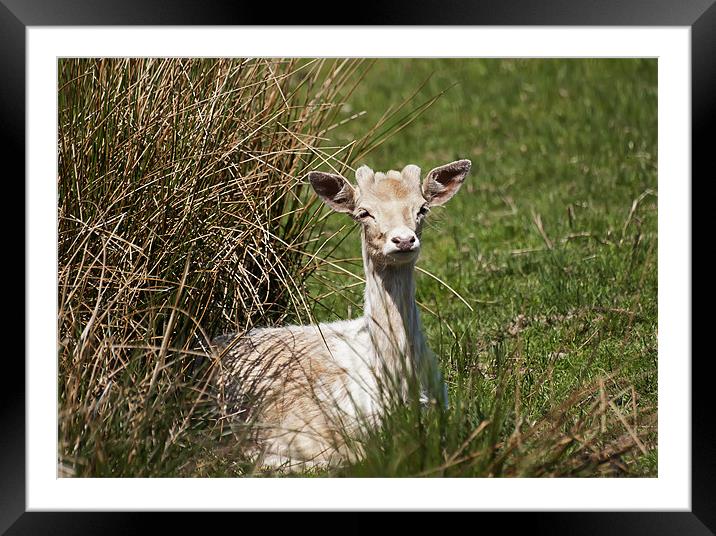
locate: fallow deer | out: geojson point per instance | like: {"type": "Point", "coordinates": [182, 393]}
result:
{"type": "Point", "coordinates": [307, 390]}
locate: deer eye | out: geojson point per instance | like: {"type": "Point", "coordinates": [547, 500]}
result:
{"type": "Point", "coordinates": [423, 211]}
{"type": "Point", "coordinates": [363, 214]}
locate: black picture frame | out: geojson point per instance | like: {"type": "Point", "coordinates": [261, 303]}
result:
{"type": "Point", "coordinates": [699, 15]}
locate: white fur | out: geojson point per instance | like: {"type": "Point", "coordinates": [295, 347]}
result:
{"type": "Point", "coordinates": [349, 369]}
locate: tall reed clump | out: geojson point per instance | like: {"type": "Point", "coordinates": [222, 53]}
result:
{"type": "Point", "coordinates": [181, 215]}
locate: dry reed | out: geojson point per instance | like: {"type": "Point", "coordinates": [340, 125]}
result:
{"type": "Point", "coordinates": [181, 215]}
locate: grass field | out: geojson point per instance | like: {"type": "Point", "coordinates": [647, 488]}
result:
{"type": "Point", "coordinates": [552, 244]}
{"type": "Point", "coordinates": [537, 283]}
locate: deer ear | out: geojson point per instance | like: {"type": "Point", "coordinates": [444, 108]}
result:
{"type": "Point", "coordinates": [334, 190]}
{"type": "Point", "coordinates": [443, 182]}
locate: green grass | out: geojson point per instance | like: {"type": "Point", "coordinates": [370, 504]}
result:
{"type": "Point", "coordinates": [178, 221]}
{"type": "Point", "coordinates": [552, 241]}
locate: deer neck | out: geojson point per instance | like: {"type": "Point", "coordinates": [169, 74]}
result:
{"type": "Point", "coordinates": [392, 315]}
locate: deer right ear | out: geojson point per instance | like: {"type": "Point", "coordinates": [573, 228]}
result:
{"type": "Point", "coordinates": [334, 190]}
{"type": "Point", "coordinates": [443, 182]}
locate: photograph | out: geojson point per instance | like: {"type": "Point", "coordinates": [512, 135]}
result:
{"type": "Point", "coordinates": [347, 267]}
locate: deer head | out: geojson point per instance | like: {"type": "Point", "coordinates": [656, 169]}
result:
{"type": "Point", "coordinates": [392, 206]}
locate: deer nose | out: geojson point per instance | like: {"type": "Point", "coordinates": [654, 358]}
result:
{"type": "Point", "coordinates": [404, 243]}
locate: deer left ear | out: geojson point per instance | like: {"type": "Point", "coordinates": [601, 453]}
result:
{"type": "Point", "coordinates": [334, 190]}
{"type": "Point", "coordinates": [443, 182]}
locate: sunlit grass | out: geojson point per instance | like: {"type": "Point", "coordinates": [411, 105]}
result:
{"type": "Point", "coordinates": [552, 242]}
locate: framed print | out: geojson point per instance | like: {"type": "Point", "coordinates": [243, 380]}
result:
{"type": "Point", "coordinates": [227, 191]}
